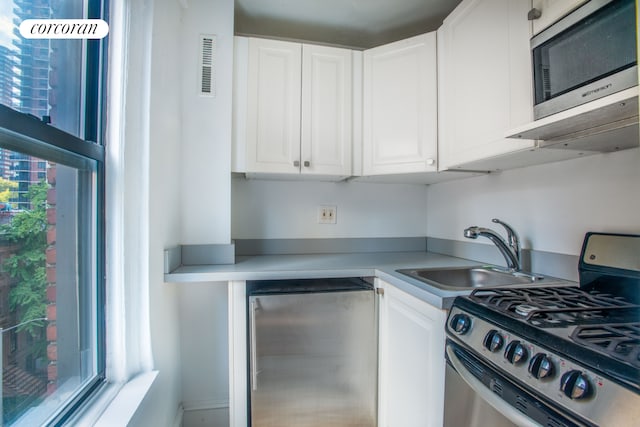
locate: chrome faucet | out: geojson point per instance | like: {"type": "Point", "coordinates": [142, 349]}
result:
{"type": "Point", "coordinates": [509, 249]}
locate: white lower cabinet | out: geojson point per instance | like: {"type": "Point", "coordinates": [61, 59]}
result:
{"type": "Point", "coordinates": [411, 360]}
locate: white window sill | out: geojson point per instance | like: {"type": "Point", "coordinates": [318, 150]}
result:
{"type": "Point", "coordinates": [116, 404]}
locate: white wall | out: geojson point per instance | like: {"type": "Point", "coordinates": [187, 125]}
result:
{"type": "Point", "coordinates": [551, 206]}
{"type": "Point", "coordinates": [205, 368]}
{"type": "Point", "coordinates": [189, 203]}
{"type": "Point", "coordinates": [205, 168]}
{"type": "Point", "coordinates": [161, 404]}
{"type": "Point", "coordinates": [288, 209]}
{"type": "Point", "coordinates": [204, 173]}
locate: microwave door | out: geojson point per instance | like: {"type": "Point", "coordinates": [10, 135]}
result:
{"type": "Point", "coordinates": [585, 56]}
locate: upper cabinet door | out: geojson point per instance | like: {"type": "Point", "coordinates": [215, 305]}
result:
{"type": "Point", "coordinates": [484, 80]}
{"type": "Point", "coordinates": [273, 106]}
{"type": "Point", "coordinates": [400, 107]}
{"type": "Point", "coordinates": [326, 110]}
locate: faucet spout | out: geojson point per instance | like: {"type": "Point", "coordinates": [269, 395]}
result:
{"type": "Point", "coordinates": [512, 237]}
{"type": "Point", "coordinates": [510, 251]}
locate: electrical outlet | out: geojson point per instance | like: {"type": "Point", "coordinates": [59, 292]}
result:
{"type": "Point", "coordinates": [327, 214]}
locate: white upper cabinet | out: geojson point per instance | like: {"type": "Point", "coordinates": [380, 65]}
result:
{"type": "Point", "coordinates": [484, 80]}
{"type": "Point", "coordinates": [400, 107]}
{"type": "Point", "coordinates": [273, 114]}
{"type": "Point", "coordinates": [326, 110]}
{"type": "Point", "coordinates": [551, 11]}
{"type": "Point", "coordinates": [298, 109]}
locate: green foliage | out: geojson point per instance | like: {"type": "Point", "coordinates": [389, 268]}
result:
{"type": "Point", "coordinates": [28, 230]}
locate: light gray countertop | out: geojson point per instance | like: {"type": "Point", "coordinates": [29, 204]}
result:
{"type": "Point", "coordinates": [313, 266]}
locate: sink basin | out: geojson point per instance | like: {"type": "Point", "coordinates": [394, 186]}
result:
{"type": "Point", "coordinates": [460, 278]}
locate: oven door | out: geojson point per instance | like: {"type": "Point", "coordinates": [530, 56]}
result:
{"type": "Point", "coordinates": [477, 395]}
{"type": "Point", "coordinates": [588, 54]}
{"type": "Point", "coordinates": [464, 407]}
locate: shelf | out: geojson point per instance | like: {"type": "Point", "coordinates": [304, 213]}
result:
{"type": "Point", "coordinates": [426, 178]}
{"type": "Point", "coordinates": [606, 124]}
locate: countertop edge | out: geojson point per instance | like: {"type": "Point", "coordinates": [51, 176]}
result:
{"type": "Point", "coordinates": [382, 265]}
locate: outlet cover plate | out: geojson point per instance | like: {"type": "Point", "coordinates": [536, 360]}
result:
{"type": "Point", "coordinates": [327, 214]}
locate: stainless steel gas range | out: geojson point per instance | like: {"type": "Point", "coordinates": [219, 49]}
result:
{"type": "Point", "coordinates": [556, 356]}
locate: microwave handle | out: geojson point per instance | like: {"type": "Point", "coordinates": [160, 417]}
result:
{"type": "Point", "coordinates": [491, 398]}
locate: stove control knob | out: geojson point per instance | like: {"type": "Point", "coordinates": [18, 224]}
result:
{"type": "Point", "coordinates": [515, 352]}
{"type": "Point", "coordinates": [575, 385]}
{"type": "Point", "coordinates": [541, 366]}
{"type": "Point", "coordinates": [493, 341]}
{"type": "Point", "coordinates": [460, 323]}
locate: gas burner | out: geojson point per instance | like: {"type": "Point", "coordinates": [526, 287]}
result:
{"type": "Point", "coordinates": [555, 306]}
{"type": "Point", "coordinates": [620, 341]}
{"type": "Point", "coordinates": [525, 309]}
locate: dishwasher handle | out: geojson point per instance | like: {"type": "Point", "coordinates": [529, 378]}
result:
{"type": "Point", "coordinates": [253, 344]}
{"type": "Point", "coordinates": [491, 398]}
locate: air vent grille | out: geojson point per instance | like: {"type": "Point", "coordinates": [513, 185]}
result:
{"type": "Point", "coordinates": [551, 422]}
{"type": "Point", "coordinates": [522, 404]}
{"type": "Point", "coordinates": [496, 387]}
{"type": "Point", "coordinates": [207, 80]}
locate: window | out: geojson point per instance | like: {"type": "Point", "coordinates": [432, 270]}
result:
{"type": "Point", "coordinates": [51, 222]}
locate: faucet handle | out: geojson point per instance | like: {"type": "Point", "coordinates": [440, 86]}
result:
{"type": "Point", "coordinates": [512, 236]}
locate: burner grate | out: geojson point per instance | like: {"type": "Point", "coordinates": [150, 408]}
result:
{"type": "Point", "coordinates": [553, 306]}
{"type": "Point", "coordinates": [621, 341]}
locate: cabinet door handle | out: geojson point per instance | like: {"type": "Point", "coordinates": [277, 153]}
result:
{"type": "Point", "coordinates": [431, 162]}
{"type": "Point", "coordinates": [296, 163]}
{"type": "Point", "coordinates": [534, 14]}
{"type": "Point", "coordinates": [253, 343]}
{"type": "Point", "coordinates": [307, 163]}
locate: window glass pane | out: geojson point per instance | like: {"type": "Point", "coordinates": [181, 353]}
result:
{"type": "Point", "coordinates": [51, 327]}
{"type": "Point", "coordinates": [40, 76]}
{"type": "Point", "coordinates": [47, 285]}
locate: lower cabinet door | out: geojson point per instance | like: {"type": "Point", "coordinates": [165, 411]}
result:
{"type": "Point", "coordinates": [411, 360]}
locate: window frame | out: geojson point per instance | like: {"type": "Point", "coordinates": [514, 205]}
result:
{"type": "Point", "coordinates": [30, 135]}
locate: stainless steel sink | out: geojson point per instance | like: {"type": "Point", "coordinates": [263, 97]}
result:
{"type": "Point", "coordinates": [460, 278]}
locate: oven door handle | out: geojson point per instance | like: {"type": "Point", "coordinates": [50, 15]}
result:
{"type": "Point", "coordinates": [491, 398]}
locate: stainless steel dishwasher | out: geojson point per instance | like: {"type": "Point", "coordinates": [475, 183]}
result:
{"type": "Point", "coordinates": [313, 353]}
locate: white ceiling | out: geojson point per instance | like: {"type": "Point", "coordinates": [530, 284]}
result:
{"type": "Point", "coordinates": [353, 23]}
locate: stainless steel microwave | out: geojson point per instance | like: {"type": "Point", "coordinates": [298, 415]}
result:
{"type": "Point", "coordinates": [588, 54]}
